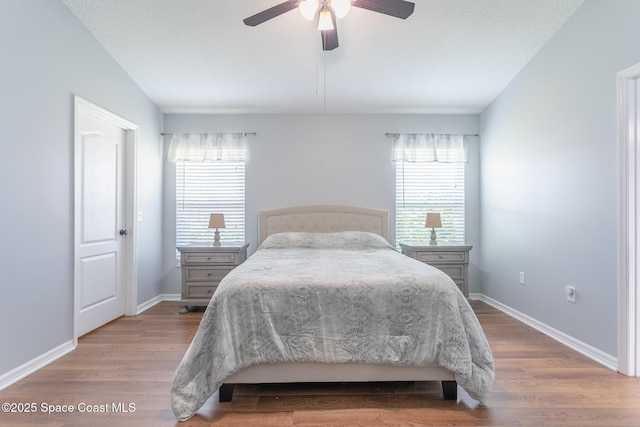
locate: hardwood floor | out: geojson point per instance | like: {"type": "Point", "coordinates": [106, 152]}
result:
{"type": "Point", "coordinates": [131, 362]}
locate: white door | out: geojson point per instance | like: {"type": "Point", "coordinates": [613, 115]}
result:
{"type": "Point", "coordinates": [100, 219]}
{"type": "Point", "coordinates": [633, 302]}
{"type": "Point", "coordinates": [635, 295]}
{"type": "Point", "coordinates": [629, 226]}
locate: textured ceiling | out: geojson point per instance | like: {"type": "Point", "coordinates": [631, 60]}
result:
{"type": "Point", "coordinates": [197, 56]}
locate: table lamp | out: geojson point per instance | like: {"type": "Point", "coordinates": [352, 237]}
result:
{"type": "Point", "coordinates": [216, 221]}
{"type": "Point", "coordinates": [433, 221]}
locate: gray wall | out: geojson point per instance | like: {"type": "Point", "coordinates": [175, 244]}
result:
{"type": "Point", "coordinates": [315, 159]}
{"type": "Point", "coordinates": [48, 56]}
{"type": "Point", "coordinates": [549, 176]}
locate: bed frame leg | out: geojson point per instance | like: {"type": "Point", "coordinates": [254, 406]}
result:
{"type": "Point", "coordinates": [225, 393]}
{"type": "Point", "coordinates": [450, 390]}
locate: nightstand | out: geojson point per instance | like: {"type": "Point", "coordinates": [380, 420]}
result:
{"type": "Point", "coordinates": [203, 267]}
{"type": "Point", "coordinates": [452, 260]}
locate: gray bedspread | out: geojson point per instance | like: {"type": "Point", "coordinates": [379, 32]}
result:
{"type": "Point", "coordinates": [332, 297]}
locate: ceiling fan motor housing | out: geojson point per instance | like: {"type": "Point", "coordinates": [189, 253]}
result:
{"type": "Point", "coordinates": [327, 11]}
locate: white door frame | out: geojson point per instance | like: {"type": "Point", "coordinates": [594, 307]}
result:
{"type": "Point", "coordinates": [629, 231]}
{"type": "Point", "coordinates": [131, 197]}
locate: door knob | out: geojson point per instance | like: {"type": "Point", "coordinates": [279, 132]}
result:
{"type": "Point", "coordinates": [124, 232]}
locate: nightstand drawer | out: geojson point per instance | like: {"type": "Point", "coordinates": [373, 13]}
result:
{"type": "Point", "coordinates": [460, 284]}
{"type": "Point", "coordinates": [210, 258]}
{"type": "Point", "coordinates": [436, 257]}
{"type": "Point", "coordinates": [200, 291]}
{"type": "Point", "coordinates": [209, 274]}
{"type": "Point", "coordinates": [203, 268]}
{"type": "Point", "coordinates": [456, 272]}
{"type": "Point", "coordinates": [453, 260]}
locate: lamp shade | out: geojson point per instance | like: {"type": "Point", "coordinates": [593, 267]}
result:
{"type": "Point", "coordinates": [325, 21]}
{"type": "Point", "coordinates": [216, 221]}
{"type": "Point", "coordinates": [341, 7]}
{"type": "Point", "coordinates": [433, 220]}
{"type": "Point", "coordinates": [308, 9]}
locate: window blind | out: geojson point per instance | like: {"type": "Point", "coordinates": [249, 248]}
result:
{"type": "Point", "coordinates": [429, 187]}
{"type": "Point", "coordinates": [203, 188]}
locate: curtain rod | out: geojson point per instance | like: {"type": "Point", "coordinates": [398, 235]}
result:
{"type": "Point", "coordinates": [245, 133]}
{"type": "Point", "coordinates": [398, 134]}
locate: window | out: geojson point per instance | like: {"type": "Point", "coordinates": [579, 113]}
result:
{"type": "Point", "coordinates": [210, 178]}
{"type": "Point", "coordinates": [203, 188]}
{"type": "Point", "coordinates": [430, 178]}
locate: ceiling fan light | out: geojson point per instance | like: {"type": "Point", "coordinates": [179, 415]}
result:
{"type": "Point", "coordinates": [341, 7]}
{"type": "Point", "coordinates": [308, 9]}
{"type": "Point", "coordinates": [325, 22]}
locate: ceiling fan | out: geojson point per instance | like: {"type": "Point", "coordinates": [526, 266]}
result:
{"type": "Point", "coordinates": [326, 12]}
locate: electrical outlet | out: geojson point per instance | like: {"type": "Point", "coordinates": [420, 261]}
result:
{"type": "Point", "coordinates": [571, 293]}
{"type": "Point", "coordinates": [522, 278]}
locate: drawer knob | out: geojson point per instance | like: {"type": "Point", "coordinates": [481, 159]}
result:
{"type": "Point", "coordinates": [209, 274]}
{"type": "Point", "coordinates": [209, 291]}
{"type": "Point", "coordinates": [441, 256]}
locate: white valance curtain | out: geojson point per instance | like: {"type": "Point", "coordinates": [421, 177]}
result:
{"type": "Point", "coordinates": [419, 147]}
{"type": "Point", "coordinates": [203, 147]}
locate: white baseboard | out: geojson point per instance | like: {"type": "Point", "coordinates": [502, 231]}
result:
{"type": "Point", "coordinates": [43, 360]}
{"type": "Point", "coordinates": [33, 365]}
{"type": "Point", "coordinates": [592, 353]}
{"type": "Point", "coordinates": [153, 301]}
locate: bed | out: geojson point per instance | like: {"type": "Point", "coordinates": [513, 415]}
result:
{"type": "Point", "coordinates": [325, 298]}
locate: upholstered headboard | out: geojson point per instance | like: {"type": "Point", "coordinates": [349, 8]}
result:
{"type": "Point", "coordinates": [323, 219]}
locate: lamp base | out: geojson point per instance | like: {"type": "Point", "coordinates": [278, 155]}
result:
{"type": "Point", "coordinates": [433, 240]}
{"type": "Point", "coordinates": [216, 238]}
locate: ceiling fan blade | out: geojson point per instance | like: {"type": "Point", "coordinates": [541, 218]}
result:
{"type": "Point", "coordinates": [271, 13]}
{"type": "Point", "coordinates": [329, 39]}
{"type": "Point", "coordinates": [398, 8]}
